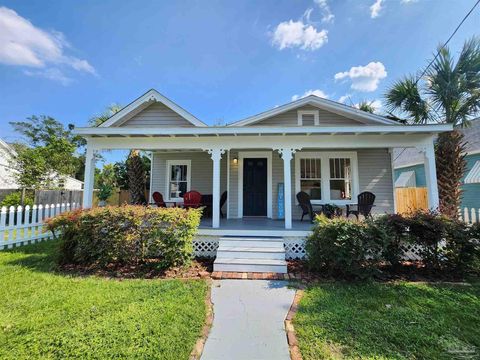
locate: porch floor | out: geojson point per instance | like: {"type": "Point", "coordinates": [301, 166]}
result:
{"type": "Point", "coordinates": [257, 224]}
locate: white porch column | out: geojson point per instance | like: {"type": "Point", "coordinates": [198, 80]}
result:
{"type": "Point", "coordinates": [431, 175]}
{"type": "Point", "coordinates": [89, 177]}
{"type": "Point", "coordinates": [216, 155]}
{"type": "Point", "coordinates": [287, 155]}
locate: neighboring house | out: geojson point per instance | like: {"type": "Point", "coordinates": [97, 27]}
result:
{"type": "Point", "coordinates": [7, 173]}
{"type": "Point", "coordinates": [328, 149]}
{"type": "Point", "coordinates": [410, 172]}
{"type": "Point", "coordinates": [7, 179]}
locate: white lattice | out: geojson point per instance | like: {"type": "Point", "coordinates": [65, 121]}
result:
{"type": "Point", "coordinates": [205, 246]}
{"type": "Point", "coordinates": [294, 247]}
{"type": "Point", "coordinates": [411, 252]}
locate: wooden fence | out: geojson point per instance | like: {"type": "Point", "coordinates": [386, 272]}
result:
{"type": "Point", "coordinates": [21, 226]}
{"type": "Point", "coordinates": [411, 199]}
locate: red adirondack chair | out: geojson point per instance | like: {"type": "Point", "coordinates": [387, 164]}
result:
{"type": "Point", "coordinates": [158, 199]}
{"type": "Point", "coordinates": [192, 199]}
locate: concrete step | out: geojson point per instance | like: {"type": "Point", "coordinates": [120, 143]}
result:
{"type": "Point", "coordinates": [252, 242]}
{"type": "Point", "coordinates": [250, 265]}
{"type": "Point", "coordinates": [247, 252]}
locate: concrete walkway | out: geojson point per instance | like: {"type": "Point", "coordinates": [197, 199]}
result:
{"type": "Point", "coordinates": [249, 320]}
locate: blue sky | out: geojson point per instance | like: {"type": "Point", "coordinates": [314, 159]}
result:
{"type": "Point", "coordinates": [220, 60]}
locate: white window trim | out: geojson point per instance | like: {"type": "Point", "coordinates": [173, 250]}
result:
{"type": "Point", "coordinates": [316, 117]}
{"type": "Point", "coordinates": [168, 172]}
{"type": "Point", "coordinates": [255, 154]}
{"type": "Point", "coordinates": [324, 156]}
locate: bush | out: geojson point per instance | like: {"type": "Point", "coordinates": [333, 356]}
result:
{"type": "Point", "coordinates": [462, 249]}
{"type": "Point", "coordinates": [126, 235]}
{"type": "Point", "coordinates": [428, 229]}
{"type": "Point", "coordinates": [15, 199]}
{"type": "Point", "coordinates": [345, 248]}
{"type": "Point", "coordinates": [396, 229]}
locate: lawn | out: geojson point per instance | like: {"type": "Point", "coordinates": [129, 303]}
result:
{"type": "Point", "coordinates": [47, 314]}
{"type": "Point", "coordinates": [389, 321]}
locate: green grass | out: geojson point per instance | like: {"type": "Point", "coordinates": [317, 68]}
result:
{"type": "Point", "coordinates": [389, 321]}
{"type": "Point", "coordinates": [46, 314]}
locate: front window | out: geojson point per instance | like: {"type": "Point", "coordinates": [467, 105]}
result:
{"type": "Point", "coordinates": [178, 178]}
{"type": "Point", "coordinates": [311, 177]}
{"type": "Point", "coordinates": [328, 177]}
{"type": "Point", "coordinates": [340, 179]}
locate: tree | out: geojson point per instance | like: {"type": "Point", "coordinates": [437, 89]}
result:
{"type": "Point", "coordinates": [449, 92]}
{"type": "Point", "coordinates": [105, 115]}
{"type": "Point", "coordinates": [366, 106]}
{"type": "Point", "coordinates": [49, 151]}
{"type": "Point", "coordinates": [136, 178]}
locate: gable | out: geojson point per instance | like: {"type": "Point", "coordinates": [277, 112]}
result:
{"type": "Point", "coordinates": [156, 115]}
{"type": "Point", "coordinates": [152, 109]}
{"type": "Point", "coordinates": [325, 118]}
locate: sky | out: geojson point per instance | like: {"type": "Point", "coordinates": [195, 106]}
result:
{"type": "Point", "coordinates": [220, 60]}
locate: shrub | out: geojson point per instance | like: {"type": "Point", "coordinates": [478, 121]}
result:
{"type": "Point", "coordinates": [428, 229]}
{"type": "Point", "coordinates": [126, 235]}
{"type": "Point", "coordinates": [396, 234]}
{"type": "Point", "coordinates": [462, 249]}
{"type": "Point", "coordinates": [342, 247]}
{"type": "Point", "coordinates": [15, 199]}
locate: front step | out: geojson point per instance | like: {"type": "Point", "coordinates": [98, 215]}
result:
{"type": "Point", "coordinates": [250, 254]}
{"type": "Point", "coordinates": [250, 265]}
{"type": "Point", "coordinates": [242, 252]}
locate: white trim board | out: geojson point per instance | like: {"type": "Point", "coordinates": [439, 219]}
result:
{"type": "Point", "coordinates": [145, 100]}
{"type": "Point", "coordinates": [324, 156]}
{"type": "Point", "coordinates": [255, 154]}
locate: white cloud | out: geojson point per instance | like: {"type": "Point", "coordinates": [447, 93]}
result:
{"type": "Point", "coordinates": [408, 1]}
{"type": "Point", "coordinates": [316, 92]}
{"type": "Point", "coordinates": [290, 34]}
{"type": "Point", "coordinates": [23, 44]}
{"type": "Point", "coordinates": [364, 78]}
{"type": "Point", "coordinates": [343, 99]}
{"type": "Point", "coordinates": [327, 16]}
{"type": "Point", "coordinates": [376, 8]}
{"type": "Point", "coordinates": [50, 74]}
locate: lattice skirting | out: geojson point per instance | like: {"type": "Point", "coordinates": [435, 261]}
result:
{"type": "Point", "coordinates": [206, 246]}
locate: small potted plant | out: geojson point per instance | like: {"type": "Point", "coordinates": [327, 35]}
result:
{"type": "Point", "coordinates": [104, 193]}
{"type": "Point", "coordinates": [331, 210]}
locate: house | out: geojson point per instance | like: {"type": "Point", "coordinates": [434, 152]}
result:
{"type": "Point", "coordinates": [328, 149]}
{"type": "Point", "coordinates": [7, 173]}
{"type": "Point", "coordinates": [410, 171]}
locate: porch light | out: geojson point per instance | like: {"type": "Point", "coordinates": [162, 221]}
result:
{"type": "Point", "coordinates": [235, 160]}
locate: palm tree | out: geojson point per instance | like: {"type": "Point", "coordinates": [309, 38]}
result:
{"type": "Point", "coordinates": [136, 178]}
{"type": "Point", "coordinates": [366, 106]}
{"type": "Point", "coordinates": [449, 92]}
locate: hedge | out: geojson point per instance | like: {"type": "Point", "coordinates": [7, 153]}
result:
{"type": "Point", "coordinates": [126, 235]}
{"type": "Point", "coordinates": [342, 247]}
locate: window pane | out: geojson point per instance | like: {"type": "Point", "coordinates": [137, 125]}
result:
{"type": "Point", "coordinates": [312, 188]}
{"type": "Point", "coordinates": [177, 189]}
{"type": "Point", "coordinates": [340, 179]}
{"type": "Point", "coordinates": [178, 173]}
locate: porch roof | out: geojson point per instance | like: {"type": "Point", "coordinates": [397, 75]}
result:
{"type": "Point", "coordinates": [271, 130]}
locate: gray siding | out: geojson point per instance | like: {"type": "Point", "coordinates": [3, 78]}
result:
{"type": "Point", "coordinates": [289, 118]}
{"type": "Point", "coordinates": [374, 170]}
{"type": "Point", "coordinates": [201, 172]}
{"type": "Point", "coordinates": [157, 115]}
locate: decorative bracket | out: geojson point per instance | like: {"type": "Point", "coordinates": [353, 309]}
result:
{"type": "Point", "coordinates": [216, 153]}
{"type": "Point", "coordinates": [287, 153]}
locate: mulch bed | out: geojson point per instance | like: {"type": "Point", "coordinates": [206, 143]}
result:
{"type": "Point", "coordinates": [408, 271]}
{"type": "Point", "coordinates": [198, 269]}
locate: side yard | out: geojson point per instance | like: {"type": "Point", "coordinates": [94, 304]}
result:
{"type": "Point", "coordinates": [389, 321]}
{"type": "Point", "coordinates": [47, 314]}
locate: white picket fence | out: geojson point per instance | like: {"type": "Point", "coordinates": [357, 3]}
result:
{"type": "Point", "coordinates": [470, 216]}
{"type": "Point", "coordinates": [20, 226]}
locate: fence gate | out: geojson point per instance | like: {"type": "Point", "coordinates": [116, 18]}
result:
{"type": "Point", "coordinates": [410, 199]}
